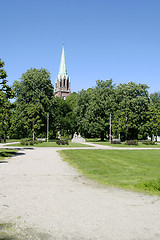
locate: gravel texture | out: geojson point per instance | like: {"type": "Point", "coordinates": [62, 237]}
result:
{"type": "Point", "coordinates": [45, 198]}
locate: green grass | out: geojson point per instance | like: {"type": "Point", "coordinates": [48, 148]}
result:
{"type": "Point", "coordinates": [131, 169]}
{"type": "Point", "coordinates": [11, 140]}
{"type": "Point", "coordinates": [50, 144]}
{"type": "Point", "coordinates": [6, 153]}
{"type": "Point", "coordinates": [93, 140]}
{"type": "Point", "coordinates": [140, 145]}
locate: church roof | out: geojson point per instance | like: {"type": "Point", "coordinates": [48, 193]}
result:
{"type": "Point", "coordinates": [63, 67]}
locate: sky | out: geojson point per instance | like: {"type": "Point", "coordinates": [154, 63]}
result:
{"type": "Point", "coordinates": [103, 39]}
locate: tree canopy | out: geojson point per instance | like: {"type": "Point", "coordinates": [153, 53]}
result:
{"type": "Point", "coordinates": [5, 106]}
{"type": "Point", "coordinates": [135, 113]}
{"type": "Point", "coordinates": [34, 93]}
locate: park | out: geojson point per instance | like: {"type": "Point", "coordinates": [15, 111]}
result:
{"type": "Point", "coordinates": [81, 165]}
{"type": "Point", "coordinates": [69, 192]}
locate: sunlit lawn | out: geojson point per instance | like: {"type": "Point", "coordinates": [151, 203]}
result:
{"type": "Point", "coordinates": [6, 153]}
{"type": "Point", "coordinates": [106, 143]}
{"type": "Point", "coordinates": [140, 145]}
{"type": "Point", "coordinates": [10, 140]}
{"type": "Point", "coordinates": [131, 169]}
{"type": "Point", "coordinates": [51, 144]}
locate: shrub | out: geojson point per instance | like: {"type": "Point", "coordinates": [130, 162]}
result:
{"type": "Point", "coordinates": [58, 142]}
{"type": "Point", "coordinates": [116, 141]}
{"type": "Point", "coordinates": [67, 143]}
{"type": "Point", "coordinates": [24, 142]}
{"type": "Point", "coordinates": [31, 142]}
{"type": "Point", "coordinates": [62, 142]}
{"type": "Point", "coordinates": [149, 143]}
{"type": "Point", "coordinates": [131, 142]}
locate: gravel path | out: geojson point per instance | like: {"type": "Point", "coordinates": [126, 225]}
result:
{"type": "Point", "coordinates": [48, 199]}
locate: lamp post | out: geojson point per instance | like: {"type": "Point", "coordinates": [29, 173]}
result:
{"type": "Point", "coordinates": [110, 129]}
{"type": "Point", "coordinates": [47, 125]}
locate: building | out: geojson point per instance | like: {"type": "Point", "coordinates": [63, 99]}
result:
{"type": "Point", "coordinates": [62, 85]}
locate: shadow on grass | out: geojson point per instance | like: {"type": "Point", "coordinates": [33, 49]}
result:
{"type": "Point", "coordinates": [7, 152]}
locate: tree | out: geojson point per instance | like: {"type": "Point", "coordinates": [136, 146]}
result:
{"type": "Point", "coordinates": [155, 97]}
{"type": "Point", "coordinates": [5, 106]}
{"type": "Point", "coordinates": [152, 125]}
{"type": "Point", "coordinates": [34, 93]}
{"type": "Point", "coordinates": [94, 107]}
{"type": "Point", "coordinates": [133, 105]}
{"type": "Point", "coordinates": [71, 101]}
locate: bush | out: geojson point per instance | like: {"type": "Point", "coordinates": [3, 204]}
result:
{"type": "Point", "coordinates": [131, 142]}
{"type": "Point", "coordinates": [62, 142]}
{"type": "Point", "coordinates": [116, 141]}
{"type": "Point", "coordinates": [58, 142]}
{"type": "Point", "coordinates": [67, 143]}
{"type": "Point", "coordinates": [149, 143]}
{"type": "Point", "coordinates": [24, 142]}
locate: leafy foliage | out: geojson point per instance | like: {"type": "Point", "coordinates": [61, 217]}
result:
{"type": "Point", "coordinates": [135, 114]}
{"type": "Point", "coordinates": [93, 109]}
{"type": "Point", "coordinates": [5, 106]}
{"type": "Point", "coordinates": [34, 96]}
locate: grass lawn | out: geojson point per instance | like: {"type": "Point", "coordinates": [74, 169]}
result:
{"type": "Point", "coordinates": [6, 153]}
{"type": "Point", "coordinates": [140, 145]}
{"type": "Point", "coordinates": [10, 140]}
{"type": "Point", "coordinates": [51, 144]}
{"type": "Point", "coordinates": [136, 170]}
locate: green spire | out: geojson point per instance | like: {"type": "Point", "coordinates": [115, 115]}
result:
{"type": "Point", "coordinates": [63, 67]}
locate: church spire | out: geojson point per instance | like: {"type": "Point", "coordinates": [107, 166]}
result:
{"type": "Point", "coordinates": [63, 67]}
{"type": "Point", "coordinates": [62, 85]}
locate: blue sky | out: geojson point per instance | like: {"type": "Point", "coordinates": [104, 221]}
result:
{"type": "Point", "coordinates": [118, 39]}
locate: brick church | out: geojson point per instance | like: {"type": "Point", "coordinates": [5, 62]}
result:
{"type": "Point", "coordinates": [62, 85]}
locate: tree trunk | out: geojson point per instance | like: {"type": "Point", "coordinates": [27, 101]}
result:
{"type": "Point", "coordinates": [5, 131]}
{"type": "Point", "coordinates": [102, 136]}
{"type": "Point", "coordinates": [33, 132]}
{"type": "Point", "coordinates": [33, 136]}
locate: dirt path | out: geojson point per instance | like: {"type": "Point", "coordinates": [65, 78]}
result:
{"type": "Point", "coordinates": [48, 199]}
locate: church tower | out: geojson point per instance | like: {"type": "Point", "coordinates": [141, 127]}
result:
{"type": "Point", "coordinates": [62, 85]}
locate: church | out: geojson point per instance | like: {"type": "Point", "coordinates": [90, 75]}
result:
{"type": "Point", "coordinates": [62, 84]}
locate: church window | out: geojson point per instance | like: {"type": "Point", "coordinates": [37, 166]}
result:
{"type": "Point", "coordinates": [67, 84]}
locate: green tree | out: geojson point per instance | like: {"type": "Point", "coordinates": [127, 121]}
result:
{"type": "Point", "coordinates": [152, 125]}
{"type": "Point", "coordinates": [155, 113]}
{"type": "Point", "coordinates": [34, 93]}
{"type": "Point", "coordinates": [5, 106]}
{"type": "Point", "coordinates": [71, 101]}
{"type": "Point", "coordinates": [155, 97]}
{"type": "Point", "coordinates": [133, 105]}
{"type": "Point", "coordinates": [62, 117]}
{"type": "Point", "coordinates": [94, 107]}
